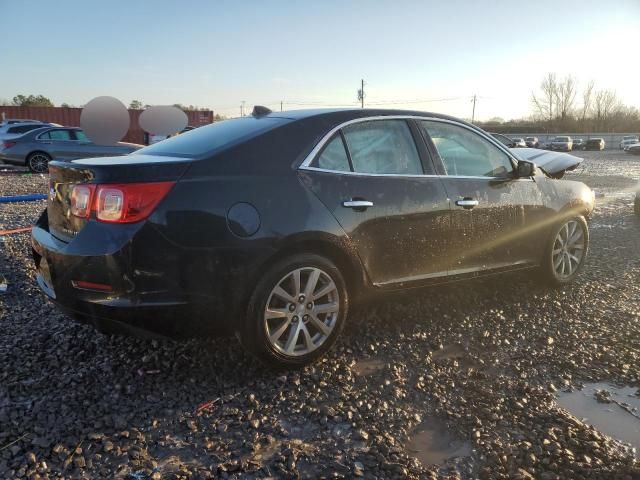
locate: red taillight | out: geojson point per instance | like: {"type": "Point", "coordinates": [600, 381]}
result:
{"type": "Point", "coordinates": [83, 285]}
{"type": "Point", "coordinates": [119, 203]}
{"type": "Point", "coordinates": [8, 144]}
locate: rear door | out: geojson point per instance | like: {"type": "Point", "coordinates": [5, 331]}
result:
{"type": "Point", "coordinates": [59, 143]}
{"type": "Point", "coordinates": [381, 187]}
{"type": "Point", "coordinates": [497, 219]}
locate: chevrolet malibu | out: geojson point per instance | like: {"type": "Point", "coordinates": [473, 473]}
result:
{"type": "Point", "coordinates": [272, 226]}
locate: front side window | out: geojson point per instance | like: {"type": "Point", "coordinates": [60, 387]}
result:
{"type": "Point", "coordinates": [383, 147]}
{"type": "Point", "coordinates": [465, 153]}
{"type": "Point", "coordinates": [334, 156]}
{"type": "Point", "coordinates": [81, 136]}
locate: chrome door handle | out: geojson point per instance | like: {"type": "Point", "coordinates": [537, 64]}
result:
{"type": "Point", "coordinates": [467, 203]}
{"type": "Point", "coordinates": [357, 204]}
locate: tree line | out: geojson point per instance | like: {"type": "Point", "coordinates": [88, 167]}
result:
{"type": "Point", "coordinates": [560, 106]}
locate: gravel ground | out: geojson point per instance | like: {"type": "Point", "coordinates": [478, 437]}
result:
{"type": "Point", "coordinates": [483, 360]}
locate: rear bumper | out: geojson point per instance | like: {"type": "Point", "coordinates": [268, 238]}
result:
{"type": "Point", "coordinates": [140, 299]}
{"type": "Point", "coordinates": [7, 157]}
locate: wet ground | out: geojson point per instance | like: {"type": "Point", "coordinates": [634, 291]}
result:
{"type": "Point", "coordinates": [494, 380]}
{"type": "Point", "coordinates": [613, 410]}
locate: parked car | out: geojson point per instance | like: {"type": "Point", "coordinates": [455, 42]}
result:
{"type": "Point", "coordinates": [578, 144]}
{"type": "Point", "coordinates": [532, 142]}
{"type": "Point", "coordinates": [628, 140]}
{"type": "Point", "coordinates": [151, 138]}
{"type": "Point", "coordinates": [13, 121]}
{"type": "Point", "coordinates": [37, 148]}
{"type": "Point", "coordinates": [14, 130]}
{"type": "Point", "coordinates": [519, 143]}
{"type": "Point", "coordinates": [633, 149]}
{"type": "Point", "coordinates": [273, 225]}
{"type": "Point", "coordinates": [594, 144]}
{"type": "Point", "coordinates": [506, 141]}
{"type": "Point", "coordinates": [562, 143]}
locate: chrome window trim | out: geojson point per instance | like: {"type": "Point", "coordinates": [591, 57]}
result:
{"type": "Point", "coordinates": [361, 174]}
{"type": "Point", "coordinates": [305, 165]}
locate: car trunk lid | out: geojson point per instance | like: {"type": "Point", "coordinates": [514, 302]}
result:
{"type": "Point", "coordinates": [63, 176]}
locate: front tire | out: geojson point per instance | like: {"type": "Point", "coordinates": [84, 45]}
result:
{"type": "Point", "coordinates": [38, 162]}
{"type": "Point", "coordinates": [566, 252]}
{"type": "Point", "coordinates": [296, 312]}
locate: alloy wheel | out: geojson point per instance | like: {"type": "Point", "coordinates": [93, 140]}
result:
{"type": "Point", "coordinates": [39, 163]}
{"type": "Point", "coordinates": [301, 311]}
{"type": "Point", "coordinates": [568, 249]}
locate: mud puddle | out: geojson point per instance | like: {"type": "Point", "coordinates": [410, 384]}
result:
{"type": "Point", "coordinates": [433, 443]}
{"type": "Point", "coordinates": [614, 411]}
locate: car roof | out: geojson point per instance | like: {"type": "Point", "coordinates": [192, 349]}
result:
{"type": "Point", "coordinates": [354, 112]}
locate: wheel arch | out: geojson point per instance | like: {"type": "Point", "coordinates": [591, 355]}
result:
{"type": "Point", "coordinates": [328, 246]}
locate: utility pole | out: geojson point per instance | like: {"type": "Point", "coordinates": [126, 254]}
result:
{"type": "Point", "coordinates": [361, 93]}
{"type": "Point", "coordinates": [242, 109]}
{"type": "Point", "coordinates": [473, 112]}
{"type": "Point", "coordinates": [280, 105]}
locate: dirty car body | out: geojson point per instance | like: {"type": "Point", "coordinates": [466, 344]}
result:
{"type": "Point", "coordinates": [392, 198]}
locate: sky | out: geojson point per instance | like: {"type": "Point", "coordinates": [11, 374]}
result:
{"type": "Point", "coordinates": [423, 55]}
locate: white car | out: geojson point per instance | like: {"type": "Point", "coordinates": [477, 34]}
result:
{"type": "Point", "coordinates": [628, 140]}
{"type": "Point", "coordinates": [14, 130]}
{"type": "Point", "coordinates": [13, 121]}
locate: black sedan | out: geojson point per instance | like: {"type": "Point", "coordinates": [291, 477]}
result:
{"type": "Point", "coordinates": [273, 225]}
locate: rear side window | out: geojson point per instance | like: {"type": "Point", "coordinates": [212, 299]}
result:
{"type": "Point", "coordinates": [56, 135]}
{"type": "Point", "coordinates": [465, 153]}
{"type": "Point", "coordinates": [334, 156]}
{"type": "Point", "coordinates": [210, 138]}
{"type": "Point", "coordinates": [23, 128]}
{"type": "Point", "coordinates": [383, 147]}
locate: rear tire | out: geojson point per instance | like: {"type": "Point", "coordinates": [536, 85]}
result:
{"type": "Point", "coordinates": [296, 312]}
{"type": "Point", "coordinates": [636, 205]}
{"type": "Point", "coordinates": [566, 252]}
{"type": "Point", "coordinates": [38, 162]}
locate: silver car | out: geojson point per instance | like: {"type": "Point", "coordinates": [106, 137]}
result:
{"type": "Point", "coordinates": [37, 148]}
{"type": "Point", "coordinates": [562, 143]}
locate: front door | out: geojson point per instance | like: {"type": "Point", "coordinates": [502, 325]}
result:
{"type": "Point", "coordinates": [371, 176]}
{"type": "Point", "coordinates": [497, 219]}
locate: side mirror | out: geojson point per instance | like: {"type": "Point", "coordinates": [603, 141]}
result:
{"type": "Point", "coordinates": [526, 169]}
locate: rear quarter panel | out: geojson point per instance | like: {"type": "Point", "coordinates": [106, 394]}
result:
{"type": "Point", "coordinates": [214, 263]}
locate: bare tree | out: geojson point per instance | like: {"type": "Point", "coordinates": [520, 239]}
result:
{"type": "Point", "coordinates": [565, 96]}
{"type": "Point", "coordinates": [545, 102]}
{"type": "Point", "coordinates": [605, 104]}
{"type": "Point", "coordinates": [587, 97]}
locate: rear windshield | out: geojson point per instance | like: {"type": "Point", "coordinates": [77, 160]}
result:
{"type": "Point", "coordinates": [210, 138]}
{"type": "Point", "coordinates": [562, 139]}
